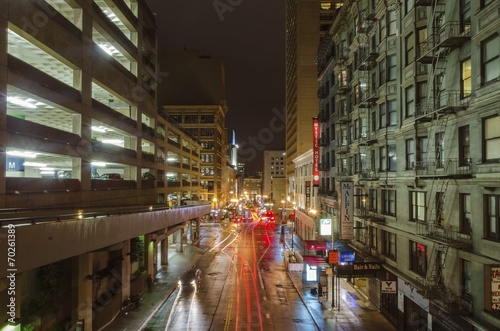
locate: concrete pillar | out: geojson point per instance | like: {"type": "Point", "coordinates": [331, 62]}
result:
{"type": "Point", "coordinates": [178, 240]}
{"type": "Point", "coordinates": [189, 232]}
{"type": "Point", "coordinates": [164, 251]}
{"type": "Point", "coordinates": [126, 270]}
{"type": "Point", "coordinates": [85, 286]}
{"type": "Point", "coordinates": [198, 232]}
{"type": "Point", "coordinates": [149, 253]}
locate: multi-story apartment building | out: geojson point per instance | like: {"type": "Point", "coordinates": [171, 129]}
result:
{"type": "Point", "coordinates": [85, 161]}
{"type": "Point", "coordinates": [273, 171]}
{"type": "Point", "coordinates": [408, 104]}
{"type": "Point", "coordinates": [306, 22]}
{"type": "Point", "coordinates": [197, 102]}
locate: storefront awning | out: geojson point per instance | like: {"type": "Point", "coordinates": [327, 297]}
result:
{"type": "Point", "coordinates": [315, 245]}
{"type": "Point", "coordinates": [314, 260]}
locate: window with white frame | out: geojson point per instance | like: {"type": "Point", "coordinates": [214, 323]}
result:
{"type": "Point", "coordinates": [490, 59]}
{"type": "Point", "coordinates": [417, 206]}
{"type": "Point", "coordinates": [491, 134]}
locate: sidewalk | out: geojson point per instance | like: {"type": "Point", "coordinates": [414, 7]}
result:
{"type": "Point", "coordinates": [166, 282]}
{"type": "Point", "coordinates": [354, 311]}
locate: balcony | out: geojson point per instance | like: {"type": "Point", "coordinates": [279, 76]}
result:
{"type": "Point", "coordinates": [324, 141]}
{"type": "Point", "coordinates": [444, 234]}
{"type": "Point", "coordinates": [324, 166]}
{"type": "Point", "coordinates": [368, 175]}
{"type": "Point", "coordinates": [323, 116]}
{"type": "Point", "coordinates": [342, 118]}
{"type": "Point", "coordinates": [447, 168]}
{"type": "Point", "coordinates": [342, 88]}
{"type": "Point", "coordinates": [446, 102]}
{"type": "Point", "coordinates": [368, 138]}
{"type": "Point", "coordinates": [323, 91]}
{"type": "Point", "coordinates": [369, 215]}
{"type": "Point", "coordinates": [342, 149]}
{"type": "Point", "coordinates": [452, 34]}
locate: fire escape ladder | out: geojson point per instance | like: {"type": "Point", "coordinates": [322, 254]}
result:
{"type": "Point", "coordinates": [438, 262]}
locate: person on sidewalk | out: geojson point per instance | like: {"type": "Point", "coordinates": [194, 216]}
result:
{"type": "Point", "coordinates": [149, 283]}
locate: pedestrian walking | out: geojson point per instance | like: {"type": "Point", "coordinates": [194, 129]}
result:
{"type": "Point", "coordinates": [149, 282]}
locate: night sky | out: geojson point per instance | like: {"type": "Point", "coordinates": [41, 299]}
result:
{"type": "Point", "coordinates": [249, 36]}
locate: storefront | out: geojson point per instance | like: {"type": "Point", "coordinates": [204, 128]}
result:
{"type": "Point", "coordinates": [389, 296]}
{"type": "Point", "coordinates": [444, 321]}
{"type": "Point", "coordinates": [413, 308]}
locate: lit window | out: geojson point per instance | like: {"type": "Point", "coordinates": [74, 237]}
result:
{"type": "Point", "coordinates": [466, 78]}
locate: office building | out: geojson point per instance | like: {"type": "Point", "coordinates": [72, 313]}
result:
{"type": "Point", "coordinates": [197, 102]}
{"type": "Point", "coordinates": [409, 112]}
{"type": "Point", "coordinates": [306, 22]}
{"type": "Point", "coordinates": [273, 169]}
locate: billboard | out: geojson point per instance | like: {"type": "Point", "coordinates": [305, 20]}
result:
{"type": "Point", "coordinates": [347, 211]}
{"type": "Point", "coordinates": [315, 152]}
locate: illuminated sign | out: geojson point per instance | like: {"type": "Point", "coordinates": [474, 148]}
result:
{"type": "Point", "coordinates": [495, 288]}
{"type": "Point", "coordinates": [315, 152]}
{"type": "Point", "coordinates": [325, 227]}
{"type": "Point", "coordinates": [346, 257]}
{"type": "Point", "coordinates": [347, 211]}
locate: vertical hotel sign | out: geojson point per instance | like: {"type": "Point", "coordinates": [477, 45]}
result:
{"type": "Point", "coordinates": [347, 211]}
{"type": "Point", "coordinates": [315, 152]}
{"type": "Point", "coordinates": [308, 194]}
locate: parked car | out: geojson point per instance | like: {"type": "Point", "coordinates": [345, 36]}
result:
{"type": "Point", "coordinates": [111, 176]}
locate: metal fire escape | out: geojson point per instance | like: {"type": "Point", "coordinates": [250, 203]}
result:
{"type": "Point", "coordinates": [432, 116]}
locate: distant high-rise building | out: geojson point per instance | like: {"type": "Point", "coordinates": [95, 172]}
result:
{"type": "Point", "coordinates": [193, 94]}
{"type": "Point", "coordinates": [273, 168]}
{"type": "Point", "coordinates": [306, 23]}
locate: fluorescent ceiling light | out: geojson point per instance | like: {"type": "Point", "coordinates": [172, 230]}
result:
{"type": "Point", "coordinates": [23, 154]}
{"type": "Point", "coordinates": [106, 48]}
{"type": "Point", "coordinates": [46, 172]}
{"type": "Point", "coordinates": [47, 169]}
{"type": "Point", "coordinates": [20, 102]}
{"type": "Point", "coordinates": [170, 159]}
{"type": "Point", "coordinates": [101, 128]}
{"type": "Point", "coordinates": [99, 164]}
{"type": "Point", "coordinates": [112, 141]}
{"type": "Point", "coordinates": [34, 164]}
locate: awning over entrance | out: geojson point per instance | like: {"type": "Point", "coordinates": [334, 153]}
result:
{"type": "Point", "coordinates": [315, 245]}
{"type": "Point", "coordinates": [314, 260]}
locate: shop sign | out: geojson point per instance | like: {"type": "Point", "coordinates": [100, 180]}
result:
{"type": "Point", "coordinates": [411, 292]}
{"type": "Point", "coordinates": [325, 227]}
{"type": "Point", "coordinates": [358, 270]}
{"type": "Point", "coordinates": [495, 288]}
{"type": "Point", "coordinates": [388, 286]}
{"type": "Point", "coordinates": [333, 257]}
{"type": "Point", "coordinates": [347, 211]}
{"type": "Point", "coordinates": [316, 151]}
{"type": "Point", "coordinates": [347, 257]}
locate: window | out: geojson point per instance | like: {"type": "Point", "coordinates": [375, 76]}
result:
{"type": "Point", "coordinates": [372, 200]}
{"type": "Point", "coordinates": [373, 237]}
{"type": "Point", "coordinates": [190, 118]}
{"type": "Point", "coordinates": [466, 79]}
{"type": "Point", "coordinates": [492, 220]}
{"type": "Point", "coordinates": [485, 2]}
{"type": "Point", "coordinates": [391, 68]}
{"type": "Point", "coordinates": [389, 245]}
{"type": "Point", "coordinates": [491, 133]}
{"type": "Point", "coordinates": [463, 146]}
{"type": "Point", "coordinates": [439, 149]}
{"type": "Point", "coordinates": [392, 157]}
{"type": "Point", "coordinates": [465, 214]}
{"type": "Point", "coordinates": [373, 161]}
{"type": "Point", "coordinates": [422, 41]}
{"type": "Point", "coordinates": [410, 154]}
{"type": "Point", "coordinates": [418, 258]}
{"type": "Point", "coordinates": [382, 28]}
{"type": "Point", "coordinates": [439, 208]}
{"type": "Point", "coordinates": [421, 98]}
{"type": "Point", "coordinates": [490, 59]}
{"type": "Point", "coordinates": [382, 158]}
{"type": "Point", "coordinates": [391, 23]}
{"type": "Point", "coordinates": [389, 202]}
{"type": "Point", "coordinates": [410, 49]}
{"type": "Point", "coordinates": [383, 115]}
{"type": "Point", "coordinates": [392, 112]}
{"type": "Point", "coordinates": [410, 101]}
{"type": "Point", "coordinates": [409, 5]}
{"type": "Point", "coordinates": [382, 73]}
{"type": "Point", "coordinates": [422, 145]}
{"type": "Point", "coordinates": [466, 278]}
{"type": "Point", "coordinates": [417, 206]}
{"type": "Point", "coordinates": [374, 121]}
{"type": "Point", "coordinates": [464, 15]}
